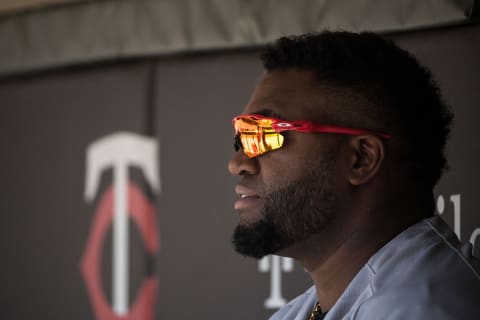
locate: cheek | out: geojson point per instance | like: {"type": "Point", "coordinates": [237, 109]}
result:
{"type": "Point", "coordinates": [277, 172]}
{"type": "Point", "coordinates": [301, 154]}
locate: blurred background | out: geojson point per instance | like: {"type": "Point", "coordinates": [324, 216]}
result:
{"type": "Point", "coordinates": [115, 132]}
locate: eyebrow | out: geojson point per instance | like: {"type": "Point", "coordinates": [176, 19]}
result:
{"type": "Point", "coordinates": [267, 113]}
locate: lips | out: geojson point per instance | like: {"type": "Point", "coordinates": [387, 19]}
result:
{"type": "Point", "coordinates": [248, 197]}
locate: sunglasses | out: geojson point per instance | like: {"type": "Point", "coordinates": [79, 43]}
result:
{"type": "Point", "coordinates": [256, 134]}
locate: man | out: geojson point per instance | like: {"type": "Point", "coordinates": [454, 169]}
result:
{"type": "Point", "coordinates": [338, 151]}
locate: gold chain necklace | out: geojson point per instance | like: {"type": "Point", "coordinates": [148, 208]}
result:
{"type": "Point", "coordinates": [315, 312]}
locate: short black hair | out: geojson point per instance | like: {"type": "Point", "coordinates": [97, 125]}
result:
{"type": "Point", "coordinates": [402, 90]}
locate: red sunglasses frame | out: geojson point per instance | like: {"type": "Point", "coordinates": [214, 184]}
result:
{"type": "Point", "coordinates": [280, 125]}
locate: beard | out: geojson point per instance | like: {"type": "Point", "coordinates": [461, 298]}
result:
{"type": "Point", "coordinates": [292, 213]}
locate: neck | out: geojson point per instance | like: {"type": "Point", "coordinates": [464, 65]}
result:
{"type": "Point", "coordinates": [333, 274]}
{"type": "Point", "coordinates": [351, 245]}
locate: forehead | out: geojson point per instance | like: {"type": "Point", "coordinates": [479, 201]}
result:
{"type": "Point", "coordinates": [290, 94]}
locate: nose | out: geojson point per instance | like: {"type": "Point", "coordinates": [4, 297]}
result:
{"type": "Point", "coordinates": [240, 164]}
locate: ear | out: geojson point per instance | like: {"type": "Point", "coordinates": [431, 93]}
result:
{"type": "Point", "coordinates": [366, 158]}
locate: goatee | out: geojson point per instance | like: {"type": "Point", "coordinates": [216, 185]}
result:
{"type": "Point", "coordinates": [291, 213]}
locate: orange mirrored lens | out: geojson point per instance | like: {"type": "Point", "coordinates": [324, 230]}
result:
{"type": "Point", "coordinates": [257, 136]}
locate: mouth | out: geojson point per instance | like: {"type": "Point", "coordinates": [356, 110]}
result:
{"type": "Point", "coordinates": [247, 198]}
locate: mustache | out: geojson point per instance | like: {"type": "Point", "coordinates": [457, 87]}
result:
{"type": "Point", "coordinates": [252, 183]}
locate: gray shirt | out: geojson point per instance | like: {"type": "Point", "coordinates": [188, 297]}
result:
{"type": "Point", "coordinates": [423, 273]}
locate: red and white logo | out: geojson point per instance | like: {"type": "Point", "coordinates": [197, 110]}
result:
{"type": "Point", "coordinates": [120, 202]}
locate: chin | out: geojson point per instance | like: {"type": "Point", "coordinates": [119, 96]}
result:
{"type": "Point", "coordinates": [248, 218]}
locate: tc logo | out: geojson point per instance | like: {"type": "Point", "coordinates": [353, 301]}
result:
{"type": "Point", "coordinates": [120, 202]}
{"type": "Point", "coordinates": [275, 265]}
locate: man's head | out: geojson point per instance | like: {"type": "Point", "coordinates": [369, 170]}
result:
{"type": "Point", "coordinates": [304, 188]}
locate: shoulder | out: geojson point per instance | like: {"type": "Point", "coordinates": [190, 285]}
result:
{"type": "Point", "coordinates": [418, 303]}
{"type": "Point", "coordinates": [427, 253]}
{"type": "Point", "coordinates": [423, 274]}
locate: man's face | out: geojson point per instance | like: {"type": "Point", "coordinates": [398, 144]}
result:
{"type": "Point", "coordinates": [286, 195]}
